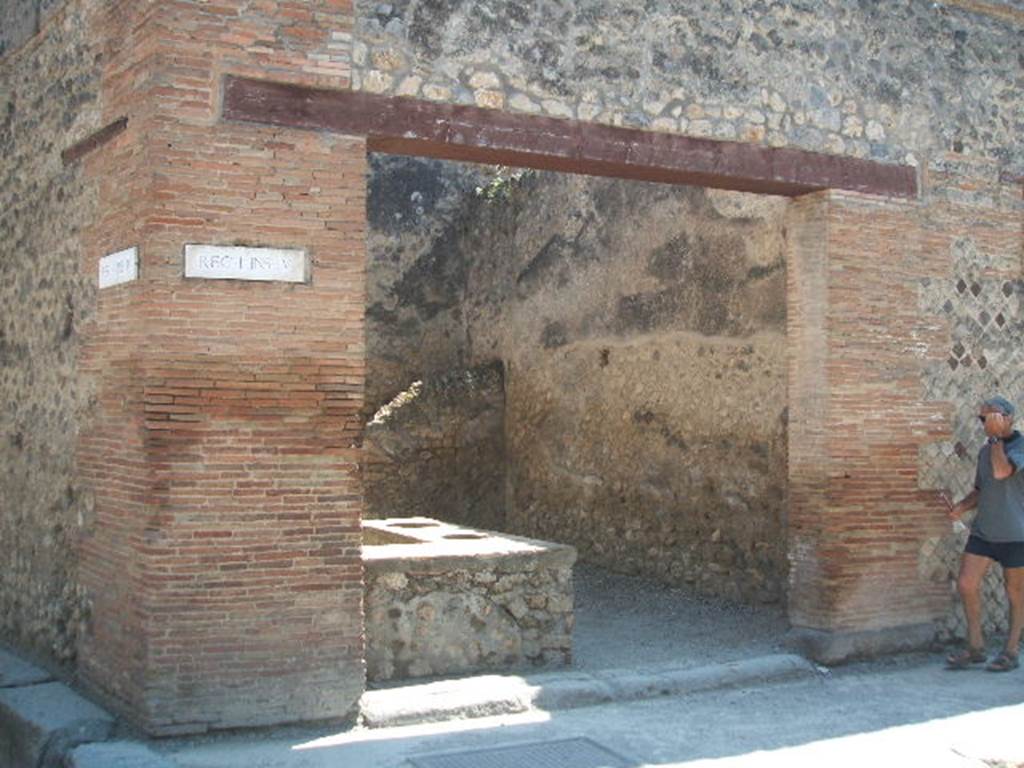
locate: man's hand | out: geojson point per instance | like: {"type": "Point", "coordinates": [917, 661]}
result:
{"type": "Point", "coordinates": [997, 424]}
{"type": "Point", "coordinates": [956, 511]}
{"type": "Point", "coordinates": [952, 510]}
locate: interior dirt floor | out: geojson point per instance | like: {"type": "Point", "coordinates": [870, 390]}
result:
{"type": "Point", "coordinates": [626, 622]}
{"type": "Point", "coordinates": [630, 621]}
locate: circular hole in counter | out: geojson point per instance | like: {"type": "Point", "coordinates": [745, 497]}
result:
{"type": "Point", "coordinates": [464, 536]}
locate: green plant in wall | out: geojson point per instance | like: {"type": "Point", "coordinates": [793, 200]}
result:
{"type": "Point", "coordinates": [504, 181]}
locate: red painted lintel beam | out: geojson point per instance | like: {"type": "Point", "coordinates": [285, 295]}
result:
{"type": "Point", "coordinates": [455, 132]}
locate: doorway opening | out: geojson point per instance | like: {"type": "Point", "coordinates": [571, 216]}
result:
{"type": "Point", "coordinates": [593, 362]}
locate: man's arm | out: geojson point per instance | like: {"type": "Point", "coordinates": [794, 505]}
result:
{"type": "Point", "coordinates": [966, 504]}
{"type": "Point", "coordinates": [1002, 467]}
{"type": "Point", "coordinates": [999, 427]}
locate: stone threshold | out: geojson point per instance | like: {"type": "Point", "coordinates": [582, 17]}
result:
{"type": "Point", "coordinates": [488, 695]}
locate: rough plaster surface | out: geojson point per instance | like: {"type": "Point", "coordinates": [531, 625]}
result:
{"type": "Point", "coordinates": [437, 449]}
{"type": "Point", "coordinates": [665, 472]}
{"type": "Point", "coordinates": [48, 99]}
{"type": "Point", "coordinates": [891, 81]}
{"type": "Point", "coordinates": [642, 329]}
{"type": "Point", "coordinates": [641, 332]}
{"type": "Point", "coordinates": [416, 271]}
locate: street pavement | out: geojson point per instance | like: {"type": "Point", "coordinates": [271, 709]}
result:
{"type": "Point", "coordinates": [905, 711]}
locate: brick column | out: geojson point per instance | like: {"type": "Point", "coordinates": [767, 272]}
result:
{"type": "Point", "coordinates": [226, 464]}
{"type": "Point", "coordinates": [857, 420]}
{"type": "Point", "coordinates": [223, 565]}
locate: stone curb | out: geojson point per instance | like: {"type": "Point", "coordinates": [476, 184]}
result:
{"type": "Point", "coordinates": [15, 672]}
{"type": "Point", "coordinates": [45, 724]}
{"type": "Point", "coordinates": [115, 754]}
{"type": "Point", "coordinates": [501, 695]}
{"type": "Point", "coordinates": [40, 723]}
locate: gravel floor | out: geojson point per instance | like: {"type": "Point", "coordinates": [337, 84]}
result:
{"type": "Point", "coordinates": [626, 621]}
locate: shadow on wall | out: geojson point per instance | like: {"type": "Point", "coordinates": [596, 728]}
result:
{"type": "Point", "coordinates": [626, 347]}
{"type": "Point", "coordinates": [437, 450]}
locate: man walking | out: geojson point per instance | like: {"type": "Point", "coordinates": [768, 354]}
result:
{"type": "Point", "coordinates": [997, 534]}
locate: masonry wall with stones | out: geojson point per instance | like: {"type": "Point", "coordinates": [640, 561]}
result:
{"type": "Point", "coordinates": [900, 82]}
{"type": "Point", "coordinates": [894, 81]}
{"type": "Point", "coordinates": [211, 518]}
{"type": "Point", "coordinates": [49, 97]}
{"type": "Point", "coordinates": [466, 602]}
{"type": "Point", "coordinates": [929, 84]}
{"type": "Point", "coordinates": [641, 332]}
{"type": "Point", "coordinates": [977, 299]}
{"type": "Point", "coordinates": [438, 450]}
{"type": "Point", "coordinates": [435, 436]}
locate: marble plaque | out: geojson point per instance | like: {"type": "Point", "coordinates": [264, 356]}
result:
{"type": "Point", "coordinates": [229, 262]}
{"type": "Point", "coordinates": [120, 267]}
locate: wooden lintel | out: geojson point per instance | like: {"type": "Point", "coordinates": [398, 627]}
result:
{"type": "Point", "coordinates": [458, 132]}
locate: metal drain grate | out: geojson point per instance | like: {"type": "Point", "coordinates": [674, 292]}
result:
{"type": "Point", "coordinates": [563, 753]}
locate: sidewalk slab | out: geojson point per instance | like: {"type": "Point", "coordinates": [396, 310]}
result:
{"type": "Point", "coordinates": [40, 723]}
{"type": "Point", "coordinates": [115, 754]}
{"type": "Point", "coordinates": [15, 672]}
{"type": "Point", "coordinates": [480, 696]}
{"type": "Point", "coordinates": [489, 695]}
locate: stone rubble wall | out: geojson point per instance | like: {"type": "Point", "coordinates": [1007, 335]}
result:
{"type": "Point", "coordinates": [20, 20]}
{"type": "Point", "coordinates": [642, 332]}
{"type": "Point", "coordinates": [438, 450]}
{"type": "Point", "coordinates": [49, 98]}
{"type": "Point", "coordinates": [977, 301]}
{"type": "Point", "coordinates": [642, 327]}
{"type": "Point", "coordinates": [474, 614]}
{"type": "Point", "coordinates": [889, 81]}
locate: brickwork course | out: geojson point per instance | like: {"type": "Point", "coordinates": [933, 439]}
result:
{"type": "Point", "coordinates": [180, 459]}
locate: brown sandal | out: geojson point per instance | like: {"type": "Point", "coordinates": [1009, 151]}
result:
{"type": "Point", "coordinates": [1004, 662]}
{"type": "Point", "coordinates": [965, 657]}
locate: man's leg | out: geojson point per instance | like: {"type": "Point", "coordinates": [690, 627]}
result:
{"type": "Point", "coordinates": [1013, 578]}
{"type": "Point", "coordinates": [972, 571]}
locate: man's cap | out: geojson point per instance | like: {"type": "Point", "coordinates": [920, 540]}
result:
{"type": "Point", "coordinates": [1001, 404]}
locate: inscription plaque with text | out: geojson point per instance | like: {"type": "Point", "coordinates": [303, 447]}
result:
{"type": "Point", "coordinates": [230, 262]}
{"type": "Point", "coordinates": [119, 267]}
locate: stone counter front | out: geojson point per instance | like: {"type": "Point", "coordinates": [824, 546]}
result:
{"type": "Point", "coordinates": [442, 599]}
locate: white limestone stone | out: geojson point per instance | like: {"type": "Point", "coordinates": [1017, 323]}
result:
{"type": "Point", "coordinates": [220, 262]}
{"type": "Point", "coordinates": [120, 267]}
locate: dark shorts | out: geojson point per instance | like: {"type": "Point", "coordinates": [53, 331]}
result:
{"type": "Point", "coordinates": [1009, 554]}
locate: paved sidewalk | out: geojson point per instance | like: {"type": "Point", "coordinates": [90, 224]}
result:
{"type": "Point", "coordinates": [768, 711]}
{"type": "Point", "coordinates": [45, 724]}
{"type": "Point", "coordinates": [906, 712]}
{"type": "Point", "coordinates": [508, 694]}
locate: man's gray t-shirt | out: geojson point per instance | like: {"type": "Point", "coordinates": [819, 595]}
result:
{"type": "Point", "coordinates": [1000, 502]}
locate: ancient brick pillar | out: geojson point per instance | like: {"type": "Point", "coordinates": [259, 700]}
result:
{"type": "Point", "coordinates": [222, 566]}
{"type": "Point", "coordinates": [864, 516]}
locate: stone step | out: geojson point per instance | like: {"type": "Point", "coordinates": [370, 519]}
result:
{"type": "Point", "coordinates": [487, 695]}
{"type": "Point", "coordinates": [41, 723]}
